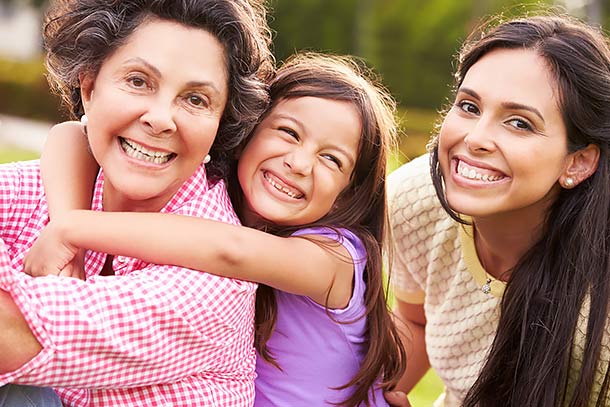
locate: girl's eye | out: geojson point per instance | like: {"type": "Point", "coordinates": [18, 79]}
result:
{"type": "Point", "coordinates": [468, 107]}
{"type": "Point", "coordinates": [290, 132]}
{"type": "Point", "coordinates": [333, 160]}
{"type": "Point", "coordinates": [520, 124]}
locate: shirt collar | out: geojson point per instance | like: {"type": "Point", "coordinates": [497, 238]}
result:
{"type": "Point", "coordinates": [195, 185]}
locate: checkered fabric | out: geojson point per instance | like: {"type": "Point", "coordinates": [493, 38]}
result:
{"type": "Point", "coordinates": [150, 335]}
{"type": "Point", "coordinates": [435, 264]}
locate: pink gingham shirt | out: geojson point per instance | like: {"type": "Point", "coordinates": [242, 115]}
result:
{"type": "Point", "coordinates": [150, 335]}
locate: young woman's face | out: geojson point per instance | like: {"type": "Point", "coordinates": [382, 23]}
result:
{"type": "Point", "coordinates": [299, 159]}
{"type": "Point", "coordinates": [503, 144]}
{"type": "Point", "coordinates": [154, 109]}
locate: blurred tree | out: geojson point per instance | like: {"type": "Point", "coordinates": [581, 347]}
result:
{"type": "Point", "coordinates": [411, 43]}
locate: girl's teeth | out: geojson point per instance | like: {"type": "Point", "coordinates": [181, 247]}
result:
{"type": "Point", "coordinates": [281, 188]}
{"type": "Point", "coordinates": [139, 152]}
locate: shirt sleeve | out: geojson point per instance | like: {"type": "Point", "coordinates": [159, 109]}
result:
{"type": "Point", "coordinates": [15, 178]}
{"type": "Point", "coordinates": [154, 325]}
{"type": "Point", "coordinates": [412, 209]}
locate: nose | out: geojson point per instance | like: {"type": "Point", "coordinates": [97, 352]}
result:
{"type": "Point", "coordinates": [158, 117]}
{"type": "Point", "coordinates": [479, 137]}
{"type": "Point", "coordinates": [300, 161]}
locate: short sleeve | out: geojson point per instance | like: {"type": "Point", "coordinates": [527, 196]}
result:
{"type": "Point", "coordinates": [414, 211]}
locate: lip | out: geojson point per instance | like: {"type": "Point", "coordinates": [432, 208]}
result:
{"type": "Point", "coordinates": [277, 193]}
{"type": "Point", "coordinates": [142, 163]}
{"type": "Point", "coordinates": [475, 183]}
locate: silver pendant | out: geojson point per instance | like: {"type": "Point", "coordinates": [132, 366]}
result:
{"type": "Point", "coordinates": [487, 286]}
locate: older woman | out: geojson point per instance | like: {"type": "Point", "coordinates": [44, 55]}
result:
{"type": "Point", "coordinates": [162, 83]}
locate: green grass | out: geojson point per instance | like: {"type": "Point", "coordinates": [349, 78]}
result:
{"type": "Point", "coordinates": [10, 154]}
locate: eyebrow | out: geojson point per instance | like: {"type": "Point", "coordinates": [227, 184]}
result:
{"type": "Point", "coordinates": [506, 105]}
{"type": "Point", "coordinates": [157, 72]}
{"type": "Point", "coordinates": [349, 156]}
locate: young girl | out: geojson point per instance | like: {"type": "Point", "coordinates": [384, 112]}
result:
{"type": "Point", "coordinates": [312, 174]}
{"type": "Point", "coordinates": [502, 265]}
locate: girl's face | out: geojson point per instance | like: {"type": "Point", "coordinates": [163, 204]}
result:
{"type": "Point", "coordinates": [299, 159]}
{"type": "Point", "coordinates": [503, 144]}
{"type": "Point", "coordinates": [154, 109]}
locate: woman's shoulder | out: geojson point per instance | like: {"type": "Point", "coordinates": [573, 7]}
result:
{"type": "Point", "coordinates": [412, 199]}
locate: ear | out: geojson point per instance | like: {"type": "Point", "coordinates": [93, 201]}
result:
{"type": "Point", "coordinates": [580, 165]}
{"type": "Point", "coordinates": [87, 81]}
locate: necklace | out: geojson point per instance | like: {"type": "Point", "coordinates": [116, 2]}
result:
{"type": "Point", "coordinates": [486, 288]}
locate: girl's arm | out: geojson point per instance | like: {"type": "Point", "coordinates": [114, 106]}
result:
{"type": "Point", "coordinates": [316, 267]}
{"type": "Point", "coordinates": [66, 157]}
{"type": "Point", "coordinates": [68, 169]}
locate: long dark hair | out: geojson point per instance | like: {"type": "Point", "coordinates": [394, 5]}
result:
{"type": "Point", "coordinates": [565, 276]}
{"type": "Point", "coordinates": [79, 35]}
{"type": "Point", "coordinates": [361, 207]}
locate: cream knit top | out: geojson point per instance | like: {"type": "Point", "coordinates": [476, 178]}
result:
{"type": "Point", "coordinates": [435, 264]}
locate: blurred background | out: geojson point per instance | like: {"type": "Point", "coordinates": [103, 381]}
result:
{"type": "Point", "coordinates": [410, 44]}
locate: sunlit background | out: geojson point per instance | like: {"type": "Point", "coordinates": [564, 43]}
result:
{"type": "Point", "coordinates": [410, 44]}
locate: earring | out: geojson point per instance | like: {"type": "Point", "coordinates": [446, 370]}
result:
{"type": "Point", "coordinates": [207, 159]}
{"type": "Point", "coordinates": [84, 120]}
{"type": "Point", "coordinates": [569, 182]}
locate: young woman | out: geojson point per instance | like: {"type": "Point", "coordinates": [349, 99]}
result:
{"type": "Point", "coordinates": [181, 78]}
{"type": "Point", "coordinates": [312, 174]}
{"type": "Point", "coordinates": [502, 258]}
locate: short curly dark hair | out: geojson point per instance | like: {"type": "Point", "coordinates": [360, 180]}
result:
{"type": "Point", "coordinates": [80, 34]}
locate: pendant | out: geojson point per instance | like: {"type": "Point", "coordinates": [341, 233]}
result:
{"type": "Point", "coordinates": [487, 286]}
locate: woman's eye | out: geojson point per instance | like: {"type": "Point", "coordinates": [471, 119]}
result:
{"type": "Point", "coordinates": [196, 100]}
{"type": "Point", "coordinates": [137, 82]}
{"type": "Point", "coordinates": [520, 124]}
{"type": "Point", "coordinates": [468, 107]}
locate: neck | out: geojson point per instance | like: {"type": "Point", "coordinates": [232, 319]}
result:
{"type": "Point", "coordinates": [120, 203]}
{"type": "Point", "coordinates": [502, 241]}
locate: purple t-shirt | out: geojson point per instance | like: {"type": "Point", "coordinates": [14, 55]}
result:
{"type": "Point", "coordinates": [315, 352]}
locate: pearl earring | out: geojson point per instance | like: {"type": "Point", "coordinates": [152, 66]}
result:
{"type": "Point", "coordinates": [207, 159]}
{"type": "Point", "coordinates": [84, 120]}
{"type": "Point", "coordinates": [569, 182]}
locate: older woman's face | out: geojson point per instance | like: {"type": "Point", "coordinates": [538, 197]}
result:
{"type": "Point", "coordinates": [154, 109]}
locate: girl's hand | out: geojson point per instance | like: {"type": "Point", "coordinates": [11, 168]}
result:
{"type": "Point", "coordinates": [53, 254]}
{"type": "Point", "coordinates": [396, 399]}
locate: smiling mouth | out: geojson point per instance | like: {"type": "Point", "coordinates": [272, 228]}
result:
{"type": "Point", "coordinates": [478, 174]}
{"type": "Point", "coordinates": [139, 152]}
{"type": "Point", "coordinates": [282, 187]}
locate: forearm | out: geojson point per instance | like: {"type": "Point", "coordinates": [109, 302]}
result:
{"type": "Point", "coordinates": [17, 342]}
{"type": "Point", "coordinates": [68, 169]}
{"type": "Point", "coordinates": [413, 336]}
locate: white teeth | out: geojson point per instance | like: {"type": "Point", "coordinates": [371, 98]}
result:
{"type": "Point", "coordinates": [471, 173]}
{"type": "Point", "coordinates": [281, 188]}
{"type": "Point", "coordinates": [140, 152]}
